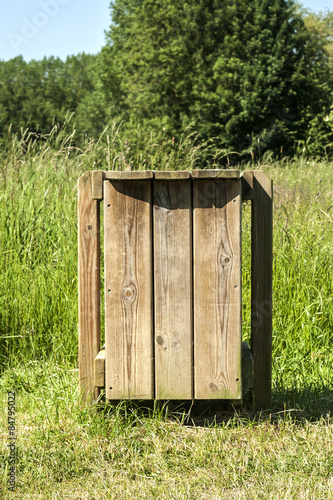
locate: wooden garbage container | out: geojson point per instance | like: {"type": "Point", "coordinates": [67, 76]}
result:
{"type": "Point", "coordinates": [173, 284]}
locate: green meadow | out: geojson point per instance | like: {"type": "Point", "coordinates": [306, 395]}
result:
{"type": "Point", "coordinates": [64, 451]}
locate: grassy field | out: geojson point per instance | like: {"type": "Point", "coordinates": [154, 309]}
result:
{"type": "Point", "coordinates": [67, 452]}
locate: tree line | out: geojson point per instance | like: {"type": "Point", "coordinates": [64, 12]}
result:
{"type": "Point", "coordinates": [251, 77]}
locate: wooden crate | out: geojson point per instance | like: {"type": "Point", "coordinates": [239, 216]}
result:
{"type": "Point", "coordinates": [173, 285]}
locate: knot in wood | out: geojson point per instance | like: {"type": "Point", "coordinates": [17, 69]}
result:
{"type": "Point", "coordinates": [160, 340]}
{"type": "Point", "coordinates": [225, 260]}
{"type": "Point", "coordinates": [129, 292]}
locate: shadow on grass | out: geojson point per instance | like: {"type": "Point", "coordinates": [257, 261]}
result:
{"type": "Point", "coordinates": [46, 380]}
{"type": "Point", "coordinates": [310, 404]}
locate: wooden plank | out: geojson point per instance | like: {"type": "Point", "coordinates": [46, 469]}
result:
{"type": "Point", "coordinates": [215, 174]}
{"type": "Point", "coordinates": [97, 185]}
{"type": "Point", "coordinates": [173, 289]}
{"type": "Point", "coordinates": [89, 286]}
{"type": "Point", "coordinates": [217, 289]}
{"type": "Point", "coordinates": [247, 184]}
{"type": "Point", "coordinates": [261, 288]}
{"type": "Point", "coordinates": [116, 175]}
{"type": "Point", "coordinates": [128, 290]}
{"type": "Point", "coordinates": [100, 369]}
{"type": "Point", "coordinates": [174, 174]}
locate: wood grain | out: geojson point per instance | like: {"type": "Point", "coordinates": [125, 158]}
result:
{"type": "Point", "coordinates": [97, 184]}
{"type": "Point", "coordinates": [122, 175]}
{"type": "Point", "coordinates": [261, 288]}
{"type": "Point", "coordinates": [215, 174]}
{"type": "Point", "coordinates": [100, 369]}
{"type": "Point", "coordinates": [217, 288]}
{"type": "Point", "coordinates": [173, 289]}
{"type": "Point", "coordinates": [88, 286]}
{"type": "Point", "coordinates": [128, 290]}
{"type": "Point", "coordinates": [172, 174]}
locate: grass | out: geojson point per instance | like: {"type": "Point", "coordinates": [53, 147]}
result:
{"type": "Point", "coordinates": [66, 452]}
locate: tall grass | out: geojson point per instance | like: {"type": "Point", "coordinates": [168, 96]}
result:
{"type": "Point", "coordinates": [303, 274]}
{"type": "Point", "coordinates": [302, 282]}
{"type": "Point", "coordinates": [38, 228]}
{"type": "Point", "coordinates": [38, 240]}
{"type": "Point", "coordinates": [38, 252]}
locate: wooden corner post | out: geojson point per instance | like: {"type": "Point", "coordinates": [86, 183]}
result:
{"type": "Point", "coordinates": [90, 193]}
{"type": "Point", "coordinates": [261, 288]}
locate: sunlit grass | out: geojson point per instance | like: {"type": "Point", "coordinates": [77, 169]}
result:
{"type": "Point", "coordinates": [67, 452]}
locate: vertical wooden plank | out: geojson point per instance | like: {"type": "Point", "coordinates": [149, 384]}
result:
{"type": "Point", "coordinates": [89, 286]}
{"type": "Point", "coordinates": [247, 184]}
{"type": "Point", "coordinates": [217, 288]}
{"type": "Point", "coordinates": [173, 289]}
{"type": "Point", "coordinates": [100, 369]}
{"type": "Point", "coordinates": [97, 184]}
{"type": "Point", "coordinates": [261, 288]}
{"type": "Point", "coordinates": [128, 289]}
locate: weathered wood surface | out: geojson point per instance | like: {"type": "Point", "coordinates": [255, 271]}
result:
{"type": "Point", "coordinates": [128, 290]}
{"type": "Point", "coordinates": [129, 261]}
{"type": "Point", "coordinates": [217, 288]}
{"type": "Point", "coordinates": [97, 184]}
{"type": "Point", "coordinates": [173, 289]}
{"type": "Point", "coordinates": [172, 174]}
{"type": "Point", "coordinates": [261, 288]}
{"type": "Point", "coordinates": [88, 286]}
{"type": "Point", "coordinates": [122, 175]}
{"type": "Point", "coordinates": [215, 174]}
{"type": "Point", "coordinates": [100, 369]}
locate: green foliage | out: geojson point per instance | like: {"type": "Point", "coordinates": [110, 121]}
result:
{"type": "Point", "coordinates": [246, 73]}
{"type": "Point", "coordinates": [320, 25]}
{"type": "Point", "coordinates": [319, 137]}
{"type": "Point", "coordinates": [318, 141]}
{"type": "Point", "coordinates": [39, 94]}
{"type": "Point", "coordinates": [249, 77]}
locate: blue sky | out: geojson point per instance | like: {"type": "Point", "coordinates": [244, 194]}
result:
{"type": "Point", "coordinates": [38, 28]}
{"type": "Point", "coordinates": [317, 5]}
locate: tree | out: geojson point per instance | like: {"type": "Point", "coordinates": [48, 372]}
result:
{"type": "Point", "coordinates": [39, 94]}
{"type": "Point", "coordinates": [320, 26]}
{"type": "Point", "coordinates": [319, 139]}
{"type": "Point", "coordinates": [246, 73]}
